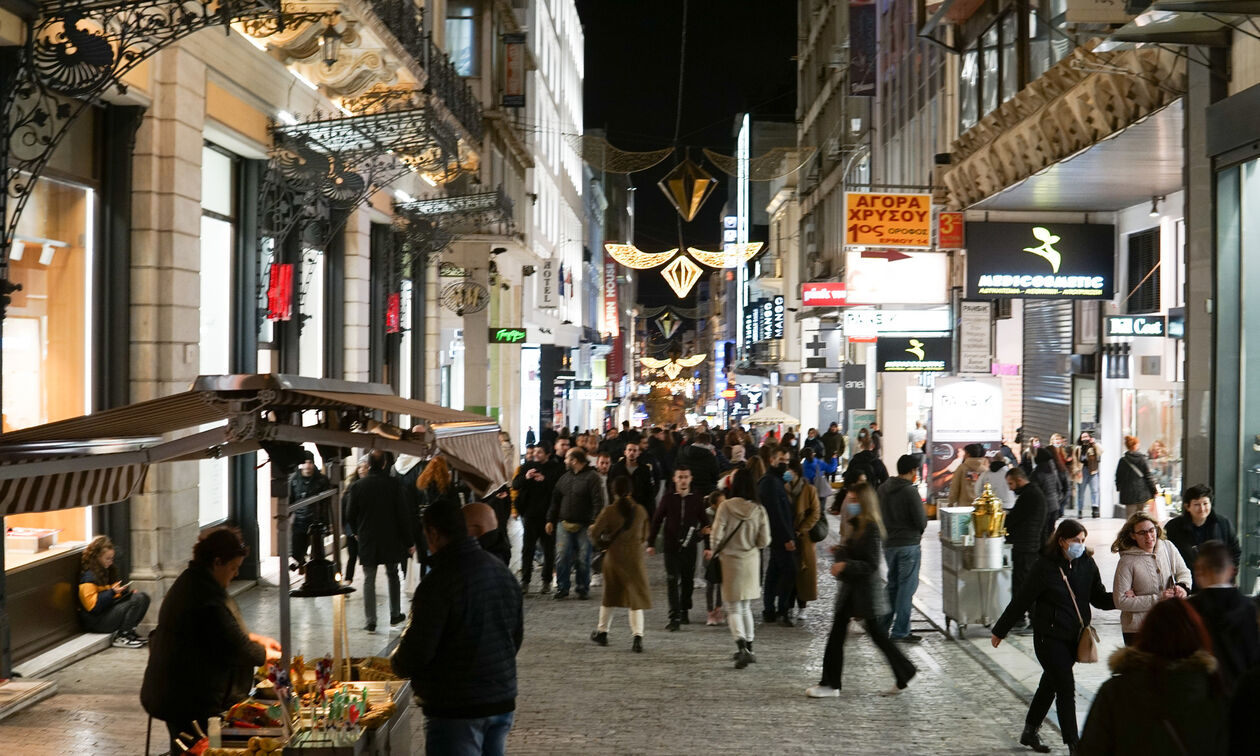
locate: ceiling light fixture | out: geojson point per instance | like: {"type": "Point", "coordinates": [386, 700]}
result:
{"type": "Point", "coordinates": [15, 251]}
{"type": "Point", "coordinates": [46, 254]}
{"type": "Point", "coordinates": [331, 44]}
{"type": "Point", "coordinates": [1155, 200]}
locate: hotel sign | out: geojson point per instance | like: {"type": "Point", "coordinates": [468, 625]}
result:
{"type": "Point", "coordinates": [1040, 261]}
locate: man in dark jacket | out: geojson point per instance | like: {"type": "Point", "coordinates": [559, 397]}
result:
{"type": "Point", "coordinates": [905, 519]}
{"type": "Point", "coordinates": [1197, 525]}
{"type": "Point", "coordinates": [781, 571]}
{"type": "Point", "coordinates": [378, 513]}
{"type": "Point", "coordinates": [643, 482]}
{"type": "Point", "coordinates": [681, 511]}
{"type": "Point", "coordinates": [459, 648]}
{"type": "Point", "coordinates": [577, 499]}
{"type": "Point", "coordinates": [869, 462]}
{"type": "Point", "coordinates": [1025, 525]}
{"type": "Point", "coordinates": [201, 655]}
{"type": "Point", "coordinates": [1229, 615]}
{"type": "Point", "coordinates": [701, 459]}
{"type": "Point", "coordinates": [304, 483]}
{"type": "Point", "coordinates": [533, 484]}
{"type": "Point", "coordinates": [833, 442]}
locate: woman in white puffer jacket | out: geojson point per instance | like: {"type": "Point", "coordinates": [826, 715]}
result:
{"type": "Point", "coordinates": [1150, 570]}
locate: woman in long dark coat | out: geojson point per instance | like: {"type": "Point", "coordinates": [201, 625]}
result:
{"type": "Point", "coordinates": [623, 530]}
{"type": "Point", "coordinates": [861, 594]}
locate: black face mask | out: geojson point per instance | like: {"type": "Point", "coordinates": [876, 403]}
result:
{"type": "Point", "coordinates": [781, 468]}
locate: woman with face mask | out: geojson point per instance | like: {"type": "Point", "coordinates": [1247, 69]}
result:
{"type": "Point", "coordinates": [861, 594]}
{"type": "Point", "coordinates": [1060, 588]}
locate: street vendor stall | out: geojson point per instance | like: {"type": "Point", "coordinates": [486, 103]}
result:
{"type": "Point", "coordinates": [104, 457]}
{"type": "Point", "coordinates": [975, 562]}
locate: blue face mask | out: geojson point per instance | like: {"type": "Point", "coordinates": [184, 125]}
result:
{"type": "Point", "coordinates": [788, 477]}
{"type": "Point", "coordinates": [853, 508]}
{"type": "Point", "coordinates": [1075, 550]}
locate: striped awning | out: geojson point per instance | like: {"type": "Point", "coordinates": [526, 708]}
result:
{"type": "Point", "coordinates": [68, 490]}
{"type": "Point", "coordinates": [103, 457]}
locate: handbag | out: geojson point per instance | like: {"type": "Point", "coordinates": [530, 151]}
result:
{"type": "Point", "coordinates": [1087, 644]}
{"type": "Point", "coordinates": [1145, 478]}
{"type": "Point", "coordinates": [713, 570]}
{"type": "Point", "coordinates": [820, 529]}
{"type": "Point", "coordinates": [597, 561]}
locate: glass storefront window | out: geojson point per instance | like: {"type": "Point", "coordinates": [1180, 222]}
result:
{"type": "Point", "coordinates": [47, 331]}
{"type": "Point", "coordinates": [1153, 416]}
{"type": "Point", "coordinates": [968, 89]}
{"type": "Point", "coordinates": [311, 342]}
{"type": "Point", "coordinates": [218, 237]}
{"type": "Point", "coordinates": [1010, 57]}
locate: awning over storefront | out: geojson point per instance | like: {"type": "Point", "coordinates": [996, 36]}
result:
{"type": "Point", "coordinates": [103, 457]}
{"type": "Point", "coordinates": [1124, 170]}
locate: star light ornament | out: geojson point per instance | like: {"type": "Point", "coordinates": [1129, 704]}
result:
{"type": "Point", "coordinates": [671, 367]}
{"type": "Point", "coordinates": [682, 274]}
{"type": "Point", "coordinates": [687, 186]}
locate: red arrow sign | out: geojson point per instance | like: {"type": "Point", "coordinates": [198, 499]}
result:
{"type": "Point", "coordinates": [891, 255]}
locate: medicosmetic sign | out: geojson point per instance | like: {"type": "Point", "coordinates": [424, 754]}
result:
{"type": "Point", "coordinates": [1040, 261]}
{"type": "Point", "coordinates": [887, 220]}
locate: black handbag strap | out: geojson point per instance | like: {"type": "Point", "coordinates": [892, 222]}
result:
{"type": "Point", "coordinates": [728, 537]}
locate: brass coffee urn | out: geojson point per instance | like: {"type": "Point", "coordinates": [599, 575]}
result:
{"type": "Point", "coordinates": [989, 522]}
{"type": "Point", "coordinates": [988, 519]}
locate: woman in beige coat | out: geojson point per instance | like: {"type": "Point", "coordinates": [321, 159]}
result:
{"type": "Point", "coordinates": [740, 531]}
{"type": "Point", "coordinates": [807, 510]}
{"type": "Point", "coordinates": [1150, 570]}
{"type": "Point", "coordinates": [622, 529]}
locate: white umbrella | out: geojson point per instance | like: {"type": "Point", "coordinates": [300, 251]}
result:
{"type": "Point", "coordinates": [771, 416]}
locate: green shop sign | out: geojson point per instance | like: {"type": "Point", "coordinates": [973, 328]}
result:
{"type": "Point", "coordinates": [507, 335]}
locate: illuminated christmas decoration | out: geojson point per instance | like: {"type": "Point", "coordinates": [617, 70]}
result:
{"type": "Point", "coordinates": [733, 257]}
{"type": "Point", "coordinates": [672, 367]}
{"type": "Point", "coordinates": [632, 257]}
{"type": "Point", "coordinates": [681, 275]}
{"type": "Point", "coordinates": [687, 186]}
{"type": "Point", "coordinates": [668, 324]}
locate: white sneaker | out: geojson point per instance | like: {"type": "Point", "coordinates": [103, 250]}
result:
{"type": "Point", "coordinates": [893, 691]}
{"type": "Point", "coordinates": [822, 691]}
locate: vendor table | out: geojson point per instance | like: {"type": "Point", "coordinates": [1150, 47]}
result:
{"type": "Point", "coordinates": [969, 595]}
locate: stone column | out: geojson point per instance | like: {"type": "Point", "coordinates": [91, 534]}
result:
{"type": "Point", "coordinates": [165, 302]}
{"type": "Point", "coordinates": [475, 324]}
{"type": "Point", "coordinates": [358, 273]}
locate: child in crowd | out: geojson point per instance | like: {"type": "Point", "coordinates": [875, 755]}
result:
{"type": "Point", "coordinates": [713, 590]}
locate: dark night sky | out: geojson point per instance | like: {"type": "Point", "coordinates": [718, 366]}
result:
{"type": "Point", "coordinates": [739, 58]}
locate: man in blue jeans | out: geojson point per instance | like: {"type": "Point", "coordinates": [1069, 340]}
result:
{"type": "Point", "coordinates": [905, 519]}
{"type": "Point", "coordinates": [576, 500]}
{"type": "Point", "coordinates": [459, 646]}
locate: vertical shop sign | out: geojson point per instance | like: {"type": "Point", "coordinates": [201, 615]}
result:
{"type": "Point", "coordinates": [611, 319]}
{"type": "Point", "coordinates": [615, 363]}
{"type": "Point", "coordinates": [280, 292]}
{"type": "Point", "coordinates": [949, 231]}
{"type": "Point", "coordinates": [393, 314]}
{"type": "Point", "coordinates": [854, 386]}
{"type": "Point", "coordinates": [548, 297]}
{"type": "Point", "coordinates": [513, 70]}
{"type": "Point", "coordinates": [975, 337]}
{"type": "Point", "coordinates": [776, 318]}
{"type": "Point", "coordinates": [862, 56]}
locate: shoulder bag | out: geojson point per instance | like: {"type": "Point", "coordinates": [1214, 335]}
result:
{"type": "Point", "coordinates": [1087, 645]}
{"type": "Point", "coordinates": [1144, 477]}
{"type": "Point", "coordinates": [713, 570]}
{"type": "Point", "coordinates": [597, 561]}
{"type": "Point", "coordinates": [820, 529]}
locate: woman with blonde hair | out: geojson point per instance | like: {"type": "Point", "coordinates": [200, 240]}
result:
{"type": "Point", "coordinates": [1150, 570]}
{"type": "Point", "coordinates": [861, 593]}
{"type": "Point", "coordinates": [105, 604]}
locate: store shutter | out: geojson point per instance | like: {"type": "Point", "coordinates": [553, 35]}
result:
{"type": "Point", "coordinates": [1047, 376]}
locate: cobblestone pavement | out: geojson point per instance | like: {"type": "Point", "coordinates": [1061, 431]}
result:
{"type": "Point", "coordinates": [682, 695]}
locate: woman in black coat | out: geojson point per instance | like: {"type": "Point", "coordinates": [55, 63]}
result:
{"type": "Point", "coordinates": [1052, 483]}
{"type": "Point", "coordinates": [201, 655]}
{"type": "Point", "coordinates": [1134, 479]}
{"type": "Point", "coordinates": [861, 594]}
{"type": "Point", "coordinates": [1056, 628]}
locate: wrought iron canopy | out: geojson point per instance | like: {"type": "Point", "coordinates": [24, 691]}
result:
{"type": "Point", "coordinates": [496, 203]}
{"type": "Point", "coordinates": [75, 51]}
{"type": "Point", "coordinates": [407, 133]}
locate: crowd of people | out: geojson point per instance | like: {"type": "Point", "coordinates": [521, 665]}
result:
{"type": "Point", "coordinates": [749, 515]}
